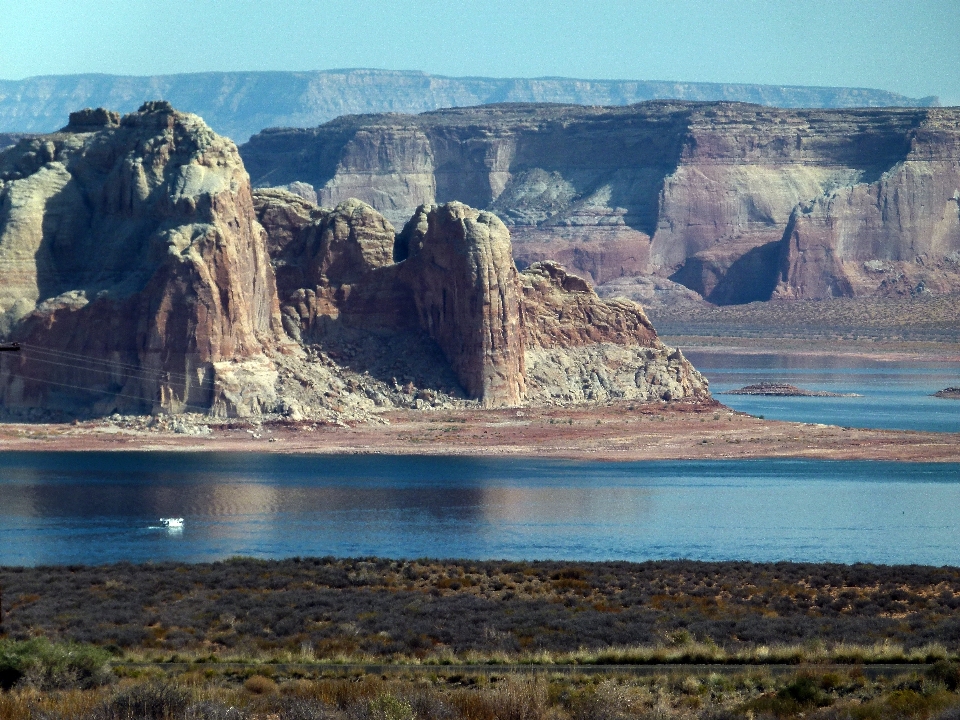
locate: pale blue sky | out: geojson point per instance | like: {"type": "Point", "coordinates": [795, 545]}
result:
{"type": "Point", "coordinates": [907, 46]}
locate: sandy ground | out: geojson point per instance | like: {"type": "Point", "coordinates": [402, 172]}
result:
{"type": "Point", "coordinates": [615, 432]}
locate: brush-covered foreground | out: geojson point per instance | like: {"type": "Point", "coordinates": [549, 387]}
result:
{"type": "Point", "coordinates": [204, 693]}
{"type": "Point", "coordinates": [427, 611]}
{"type": "Point", "coordinates": [264, 640]}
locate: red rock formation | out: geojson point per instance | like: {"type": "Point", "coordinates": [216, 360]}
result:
{"type": "Point", "coordinates": [562, 310]}
{"type": "Point", "coordinates": [464, 283]}
{"type": "Point", "coordinates": [456, 280]}
{"type": "Point", "coordinates": [132, 263]}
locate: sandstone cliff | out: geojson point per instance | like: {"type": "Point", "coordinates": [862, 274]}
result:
{"type": "Point", "coordinates": [141, 273]}
{"type": "Point", "coordinates": [133, 269]}
{"type": "Point", "coordinates": [453, 300]}
{"type": "Point", "coordinates": [899, 234]}
{"type": "Point", "coordinates": [239, 104]}
{"type": "Point", "coordinates": [703, 194]}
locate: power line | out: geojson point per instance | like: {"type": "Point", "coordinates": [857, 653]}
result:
{"type": "Point", "coordinates": [198, 408]}
{"type": "Point", "coordinates": [146, 375]}
{"type": "Point", "coordinates": [113, 363]}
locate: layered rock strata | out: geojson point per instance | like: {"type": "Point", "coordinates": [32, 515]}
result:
{"type": "Point", "coordinates": [538, 336]}
{"type": "Point", "coordinates": [133, 269]}
{"type": "Point", "coordinates": [736, 202]}
{"type": "Point", "coordinates": [140, 273]}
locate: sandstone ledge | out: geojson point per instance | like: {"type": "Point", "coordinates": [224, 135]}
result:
{"type": "Point", "coordinates": [951, 393]}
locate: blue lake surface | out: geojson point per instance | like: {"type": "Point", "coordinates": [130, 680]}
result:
{"type": "Point", "coordinates": [104, 507]}
{"type": "Point", "coordinates": [897, 395]}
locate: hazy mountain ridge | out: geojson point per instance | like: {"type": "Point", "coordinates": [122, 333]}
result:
{"type": "Point", "coordinates": [238, 104]}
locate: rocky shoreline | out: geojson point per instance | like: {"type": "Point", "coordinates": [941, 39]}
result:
{"type": "Point", "coordinates": [950, 393]}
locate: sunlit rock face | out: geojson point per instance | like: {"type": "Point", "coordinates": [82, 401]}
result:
{"type": "Point", "coordinates": [141, 273]}
{"type": "Point", "coordinates": [736, 202]}
{"type": "Point", "coordinates": [132, 266]}
{"type": "Point", "coordinates": [510, 337]}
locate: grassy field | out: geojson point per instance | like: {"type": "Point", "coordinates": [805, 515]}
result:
{"type": "Point", "coordinates": [447, 611]}
{"type": "Point", "coordinates": [268, 639]}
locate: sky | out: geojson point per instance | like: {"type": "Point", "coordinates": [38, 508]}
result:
{"type": "Point", "coordinates": [906, 46]}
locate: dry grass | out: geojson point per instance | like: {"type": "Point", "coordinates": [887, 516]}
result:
{"type": "Point", "coordinates": [828, 695]}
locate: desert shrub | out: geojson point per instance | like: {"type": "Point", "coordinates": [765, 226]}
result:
{"type": "Point", "coordinates": [947, 673]}
{"type": "Point", "coordinates": [304, 709]}
{"type": "Point", "coordinates": [247, 604]}
{"type": "Point", "coordinates": [903, 704]}
{"type": "Point", "coordinates": [800, 694]}
{"type": "Point", "coordinates": [152, 701]}
{"type": "Point", "coordinates": [45, 665]}
{"type": "Point", "coordinates": [260, 685]}
{"type": "Point", "coordinates": [210, 710]}
{"type": "Point", "coordinates": [389, 707]}
{"type": "Point", "coordinates": [951, 713]}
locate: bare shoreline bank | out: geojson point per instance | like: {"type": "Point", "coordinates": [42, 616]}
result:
{"type": "Point", "coordinates": [613, 432]}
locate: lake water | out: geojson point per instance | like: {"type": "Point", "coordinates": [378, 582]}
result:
{"type": "Point", "coordinates": [104, 507]}
{"type": "Point", "coordinates": [896, 394]}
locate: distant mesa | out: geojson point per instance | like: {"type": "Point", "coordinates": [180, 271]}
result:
{"type": "Point", "coordinates": [239, 104]}
{"type": "Point", "coordinates": [950, 393]}
{"type": "Point", "coordinates": [784, 390]}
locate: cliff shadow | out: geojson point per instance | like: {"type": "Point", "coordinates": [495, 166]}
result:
{"type": "Point", "coordinates": [397, 357]}
{"type": "Point", "coordinates": [608, 166]}
{"type": "Point", "coordinates": [752, 277]}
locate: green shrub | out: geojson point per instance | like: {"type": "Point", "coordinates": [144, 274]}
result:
{"type": "Point", "coordinates": [947, 673]}
{"type": "Point", "coordinates": [45, 665]}
{"type": "Point", "coordinates": [800, 694]}
{"type": "Point", "coordinates": [388, 707]}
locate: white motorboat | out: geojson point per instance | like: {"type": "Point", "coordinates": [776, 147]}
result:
{"type": "Point", "coordinates": [171, 522]}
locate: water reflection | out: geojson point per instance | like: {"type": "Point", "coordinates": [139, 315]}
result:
{"type": "Point", "coordinates": [101, 507]}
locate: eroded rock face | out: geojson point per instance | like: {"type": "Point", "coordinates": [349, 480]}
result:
{"type": "Point", "coordinates": [132, 265]}
{"type": "Point", "coordinates": [461, 274]}
{"type": "Point", "coordinates": [897, 235]}
{"type": "Point", "coordinates": [141, 273]}
{"type": "Point", "coordinates": [538, 336]}
{"type": "Point", "coordinates": [581, 348]}
{"type": "Point", "coordinates": [701, 193]}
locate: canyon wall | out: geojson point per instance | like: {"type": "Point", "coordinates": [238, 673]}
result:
{"type": "Point", "coordinates": [712, 196]}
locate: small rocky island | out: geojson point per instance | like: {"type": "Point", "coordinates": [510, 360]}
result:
{"type": "Point", "coordinates": [950, 393]}
{"type": "Point", "coordinates": [784, 390]}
